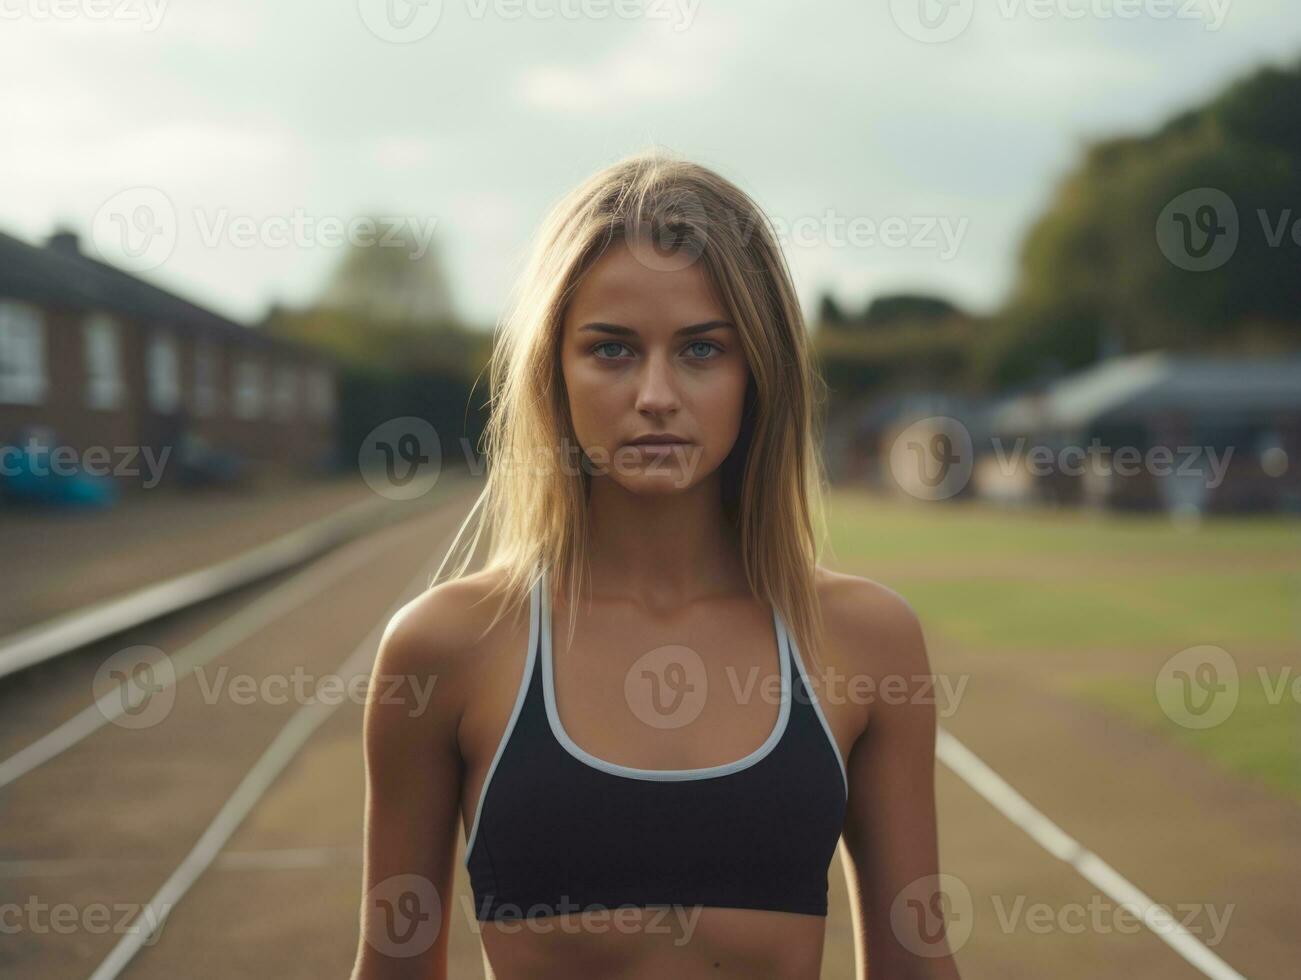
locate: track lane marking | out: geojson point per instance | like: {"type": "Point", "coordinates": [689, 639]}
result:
{"type": "Point", "coordinates": [256, 616]}
{"type": "Point", "coordinates": [277, 756]}
{"type": "Point", "coordinates": [969, 767]}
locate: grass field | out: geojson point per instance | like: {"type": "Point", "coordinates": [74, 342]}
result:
{"type": "Point", "coordinates": [1095, 604]}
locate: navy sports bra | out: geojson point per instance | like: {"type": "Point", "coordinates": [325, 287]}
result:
{"type": "Point", "coordinates": [559, 830]}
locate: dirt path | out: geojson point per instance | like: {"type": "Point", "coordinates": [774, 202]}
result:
{"type": "Point", "coordinates": [65, 560]}
{"type": "Point", "coordinates": [1192, 837]}
{"type": "Point", "coordinates": [108, 821]}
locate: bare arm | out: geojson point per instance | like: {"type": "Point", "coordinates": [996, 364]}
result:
{"type": "Point", "coordinates": [413, 779]}
{"type": "Point", "coordinates": [890, 840]}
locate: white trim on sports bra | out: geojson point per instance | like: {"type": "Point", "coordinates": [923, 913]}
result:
{"type": "Point", "coordinates": [540, 628]}
{"type": "Point", "coordinates": [631, 772]}
{"type": "Point", "coordinates": [817, 707]}
{"type": "Point", "coordinates": [530, 657]}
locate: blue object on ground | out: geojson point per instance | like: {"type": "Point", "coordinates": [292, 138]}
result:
{"type": "Point", "coordinates": [23, 480]}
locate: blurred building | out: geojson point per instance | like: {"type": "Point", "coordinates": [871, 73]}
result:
{"type": "Point", "coordinates": [860, 444]}
{"type": "Point", "coordinates": [97, 363]}
{"type": "Point", "coordinates": [1155, 430]}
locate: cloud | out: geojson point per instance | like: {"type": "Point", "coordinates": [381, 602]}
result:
{"type": "Point", "coordinates": [261, 108]}
{"type": "Point", "coordinates": [398, 153]}
{"type": "Point", "coordinates": [660, 66]}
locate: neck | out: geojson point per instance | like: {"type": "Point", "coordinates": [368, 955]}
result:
{"type": "Point", "coordinates": [664, 549]}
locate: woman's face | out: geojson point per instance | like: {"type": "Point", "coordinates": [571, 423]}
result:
{"type": "Point", "coordinates": [651, 351]}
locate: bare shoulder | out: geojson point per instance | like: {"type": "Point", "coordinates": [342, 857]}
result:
{"type": "Point", "coordinates": [443, 627]}
{"type": "Point", "coordinates": [871, 626]}
{"type": "Point", "coordinates": [440, 638]}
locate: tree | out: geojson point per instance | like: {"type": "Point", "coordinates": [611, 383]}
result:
{"type": "Point", "coordinates": [900, 308]}
{"type": "Point", "coordinates": [1094, 275]}
{"type": "Point", "coordinates": [399, 280]}
{"type": "Point", "coordinates": [829, 312]}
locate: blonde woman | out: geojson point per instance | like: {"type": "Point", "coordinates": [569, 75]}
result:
{"type": "Point", "coordinates": [647, 716]}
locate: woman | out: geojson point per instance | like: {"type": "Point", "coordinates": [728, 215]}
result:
{"type": "Point", "coordinates": [656, 790]}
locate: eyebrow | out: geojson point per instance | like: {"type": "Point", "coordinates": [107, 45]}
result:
{"type": "Point", "coordinates": [615, 330]}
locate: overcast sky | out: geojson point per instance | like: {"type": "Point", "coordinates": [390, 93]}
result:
{"type": "Point", "coordinates": [249, 134]}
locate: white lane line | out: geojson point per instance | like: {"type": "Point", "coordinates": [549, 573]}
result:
{"type": "Point", "coordinates": [1007, 801]}
{"type": "Point", "coordinates": [233, 630]}
{"type": "Point", "coordinates": [80, 627]}
{"type": "Point", "coordinates": [251, 789]}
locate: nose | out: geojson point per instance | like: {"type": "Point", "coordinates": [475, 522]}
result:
{"type": "Point", "coordinates": [656, 392]}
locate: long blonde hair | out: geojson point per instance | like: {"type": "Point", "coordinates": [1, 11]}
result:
{"type": "Point", "coordinates": [773, 481]}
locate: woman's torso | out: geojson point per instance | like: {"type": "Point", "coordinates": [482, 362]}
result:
{"type": "Point", "coordinates": [728, 647]}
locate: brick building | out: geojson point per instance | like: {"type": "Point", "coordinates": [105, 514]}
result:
{"type": "Point", "coordinates": [91, 356]}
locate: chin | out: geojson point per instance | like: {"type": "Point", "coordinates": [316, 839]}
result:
{"type": "Point", "coordinates": [656, 484]}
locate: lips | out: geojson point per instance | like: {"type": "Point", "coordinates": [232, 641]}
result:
{"type": "Point", "coordinates": [658, 439]}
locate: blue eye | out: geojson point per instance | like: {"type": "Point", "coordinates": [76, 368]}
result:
{"type": "Point", "coordinates": [698, 350]}
{"type": "Point", "coordinates": [606, 343]}
{"type": "Point", "coordinates": [708, 345]}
